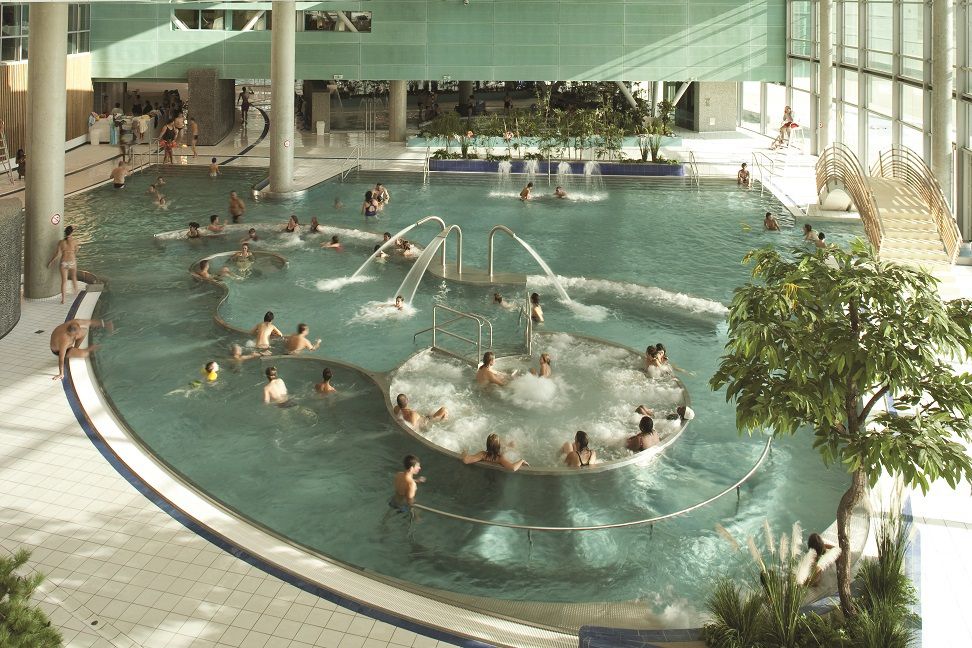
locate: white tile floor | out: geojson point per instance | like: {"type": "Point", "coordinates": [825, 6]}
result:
{"type": "Point", "coordinates": [121, 572]}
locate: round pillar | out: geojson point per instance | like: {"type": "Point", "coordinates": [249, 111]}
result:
{"type": "Point", "coordinates": [397, 106]}
{"type": "Point", "coordinates": [46, 130]}
{"type": "Point", "coordinates": [282, 60]}
{"type": "Point", "coordinates": [943, 85]}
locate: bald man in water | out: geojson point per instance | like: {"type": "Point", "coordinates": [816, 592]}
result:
{"type": "Point", "coordinates": [66, 341]}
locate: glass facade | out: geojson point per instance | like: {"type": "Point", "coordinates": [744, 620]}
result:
{"type": "Point", "coordinates": [882, 51]}
{"type": "Point", "coordinates": [15, 23]}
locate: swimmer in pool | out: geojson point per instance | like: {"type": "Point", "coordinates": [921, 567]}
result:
{"type": "Point", "coordinates": [385, 237]}
{"type": "Point", "coordinates": [647, 435]}
{"type": "Point", "coordinates": [486, 375]}
{"type": "Point", "coordinates": [493, 454]}
{"type": "Point", "coordinates": [333, 244]}
{"type": "Point", "coordinates": [820, 240]}
{"type": "Point", "coordinates": [204, 273]}
{"type": "Point", "coordinates": [337, 203]}
{"type": "Point", "coordinates": [413, 418]}
{"type": "Point", "coordinates": [536, 313]}
{"type": "Point", "coordinates": [213, 168]}
{"type": "Point", "coordinates": [251, 235]}
{"type": "Point", "coordinates": [379, 255]}
{"type": "Point", "coordinates": [211, 371]}
{"type": "Point", "coordinates": [275, 391]}
{"type": "Point", "coordinates": [399, 303]}
{"type": "Point", "coordinates": [663, 358]}
{"type": "Point", "coordinates": [544, 370]}
{"type": "Point", "coordinates": [236, 354]}
{"type": "Point", "coordinates": [193, 230]}
{"type": "Point", "coordinates": [325, 386]}
{"type": "Point", "coordinates": [293, 225]}
{"type": "Point", "coordinates": [809, 235]}
{"type": "Point", "coordinates": [315, 227]}
{"type": "Point", "coordinates": [66, 341]}
{"type": "Point", "coordinates": [502, 303]}
{"type": "Point", "coordinates": [406, 485]}
{"type": "Point", "coordinates": [407, 250]}
{"type": "Point", "coordinates": [298, 342]}
{"type": "Point", "coordinates": [579, 453]}
{"type": "Point", "coordinates": [214, 225]}
{"type": "Point", "coordinates": [264, 331]}
{"type": "Point", "coordinates": [654, 367]}
{"type": "Point", "coordinates": [243, 254]}
{"type": "Point", "coordinates": [162, 203]}
{"type": "Point", "coordinates": [770, 224]}
{"type": "Point", "coordinates": [559, 193]}
{"type": "Point", "coordinates": [526, 191]}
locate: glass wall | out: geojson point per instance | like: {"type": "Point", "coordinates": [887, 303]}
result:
{"type": "Point", "coordinates": [15, 23]}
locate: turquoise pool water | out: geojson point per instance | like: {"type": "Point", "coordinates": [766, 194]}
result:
{"type": "Point", "coordinates": [648, 262]}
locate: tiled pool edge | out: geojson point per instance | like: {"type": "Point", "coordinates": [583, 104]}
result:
{"type": "Point", "coordinates": [248, 543]}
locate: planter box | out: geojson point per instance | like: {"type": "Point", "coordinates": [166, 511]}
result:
{"type": "Point", "coordinates": [576, 167]}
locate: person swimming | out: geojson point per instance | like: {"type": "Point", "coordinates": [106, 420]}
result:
{"type": "Point", "coordinates": [543, 371]}
{"type": "Point", "coordinates": [293, 225]}
{"type": "Point", "coordinates": [275, 391]}
{"type": "Point", "coordinates": [325, 386]}
{"type": "Point", "coordinates": [333, 244]}
{"type": "Point", "coordinates": [204, 273]}
{"type": "Point", "coordinates": [315, 226]}
{"type": "Point", "coordinates": [820, 240]}
{"type": "Point", "coordinates": [559, 192]}
{"type": "Point", "coordinates": [526, 192]}
{"type": "Point", "coordinates": [770, 223]}
{"type": "Point", "coordinates": [494, 454]}
{"type": "Point", "coordinates": [251, 235]}
{"type": "Point", "coordinates": [646, 437]}
{"type": "Point", "coordinates": [214, 225]}
{"type": "Point", "coordinates": [502, 303]}
{"type": "Point", "coordinates": [809, 234]}
{"type": "Point", "coordinates": [413, 418]}
{"type": "Point", "coordinates": [193, 230]}
{"type": "Point", "coordinates": [211, 371]}
{"type": "Point", "coordinates": [378, 253]}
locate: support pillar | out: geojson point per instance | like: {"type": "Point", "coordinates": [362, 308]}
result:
{"type": "Point", "coordinates": [825, 96]}
{"type": "Point", "coordinates": [658, 90]}
{"type": "Point", "coordinates": [397, 106]}
{"type": "Point", "coordinates": [623, 87]}
{"type": "Point", "coordinates": [943, 84]}
{"type": "Point", "coordinates": [46, 127]}
{"type": "Point", "coordinates": [465, 89]}
{"type": "Point", "coordinates": [282, 61]}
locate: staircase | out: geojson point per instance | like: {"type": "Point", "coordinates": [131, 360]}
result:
{"type": "Point", "coordinates": [902, 208]}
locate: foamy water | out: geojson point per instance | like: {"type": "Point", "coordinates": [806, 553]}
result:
{"type": "Point", "coordinates": [334, 285]}
{"type": "Point", "coordinates": [594, 387]}
{"type": "Point", "coordinates": [382, 311]}
{"type": "Point", "coordinates": [621, 290]}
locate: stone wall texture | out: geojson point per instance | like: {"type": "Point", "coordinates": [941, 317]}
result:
{"type": "Point", "coordinates": [211, 104]}
{"type": "Point", "coordinates": [11, 262]}
{"type": "Point", "coordinates": [716, 106]}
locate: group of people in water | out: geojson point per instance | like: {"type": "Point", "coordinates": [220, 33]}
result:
{"type": "Point", "coordinates": [527, 192]}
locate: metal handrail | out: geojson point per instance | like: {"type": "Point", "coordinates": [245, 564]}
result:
{"type": "Point", "coordinates": [437, 327]}
{"type": "Point", "coordinates": [425, 166]}
{"type": "Point", "coordinates": [901, 163]}
{"type": "Point", "coordinates": [695, 169]}
{"type": "Point", "coordinates": [838, 164]}
{"type": "Point", "coordinates": [356, 154]}
{"type": "Point", "coordinates": [616, 525]}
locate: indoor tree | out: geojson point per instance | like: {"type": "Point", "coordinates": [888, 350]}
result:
{"type": "Point", "coordinates": [820, 338]}
{"type": "Point", "coordinates": [22, 625]}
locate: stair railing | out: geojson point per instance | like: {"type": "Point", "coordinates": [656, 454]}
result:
{"type": "Point", "coordinates": [838, 167]}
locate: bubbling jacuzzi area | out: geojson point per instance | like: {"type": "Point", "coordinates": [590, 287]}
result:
{"type": "Point", "coordinates": [617, 266]}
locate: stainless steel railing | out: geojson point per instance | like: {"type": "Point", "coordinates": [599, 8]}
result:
{"type": "Point", "coordinates": [438, 328]}
{"type": "Point", "coordinates": [355, 154]}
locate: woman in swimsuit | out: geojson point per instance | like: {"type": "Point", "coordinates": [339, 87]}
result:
{"type": "Point", "coordinates": [370, 206]}
{"type": "Point", "coordinates": [536, 313]}
{"type": "Point", "coordinates": [244, 101]}
{"type": "Point", "coordinates": [315, 226]}
{"type": "Point", "coordinates": [579, 455]}
{"type": "Point", "coordinates": [67, 249]}
{"type": "Point", "coordinates": [292, 224]}
{"type": "Point", "coordinates": [167, 139]}
{"type": "Point", "coordinates": [494, 454]}
{"type": "Point", "coordinates": [654, 367]}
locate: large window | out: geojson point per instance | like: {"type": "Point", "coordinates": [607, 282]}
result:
{"type": "Point", "coordinates": [880, 35]}
{"type": "Point", "coordinates": [79, 28]}
{"type": "Point", "coordinates": [252, 20]}
{"type": "Point", "coordinates": [14, 30]}
{"type": "Point", "coordinates": [191, 19]}
{"type": "Point", "coordinates": [800, 27]}
{"type": "Point", "coordinates": [358, 21]}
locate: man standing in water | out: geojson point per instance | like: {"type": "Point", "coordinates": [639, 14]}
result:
{"type": "Point", "coordinates": [118, 175]}
{"type": "Point", "coordinates": [66, 341]}
{"type": "Point", "coordinates": [406, 485]}
{"type": "Point", "coordinates": [264, 330]}
{"type": "Point", "coordinates": [67, 249]}
{"type": "Point", "coordinates": [236, 207]}
{"type": "Point", "coordinates": [298, 342]}
{"type": "Point", "coordinates": [275, 391]}
{"type": "Point", "coordinates": [526, 191]}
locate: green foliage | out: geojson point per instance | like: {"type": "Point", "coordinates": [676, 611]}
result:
{"type": "Point", "coordinates": [883, 581]}
{"type": "Point", "coordinates": [21, 624]}
{"type": "Point", "coordinates": [880, 627]}
{"type": "Point", "coordinates": [737, 620]}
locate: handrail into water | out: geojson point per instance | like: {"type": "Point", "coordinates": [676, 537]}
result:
{"type": "Point", "coordinates": [356, 154]}
{"type": "Point", "coordinates": [695, 169]}
{"type": "Point", "coordinates": [526, 246]}
{"type": "Point", "coordinates": [837, 164]}
{"type": "Point", "coordinates": [616, 525]}
{"type": "Point", "coordinates": [390, 242]}
{"type": "Point", "coordinates": [901, 163]}
{"type": "Point", "coordinates": [438, 327]}
{"type": "Point", "coordinates": [421, 264]}
{"type": "Point", "coordinates": [425, 166]}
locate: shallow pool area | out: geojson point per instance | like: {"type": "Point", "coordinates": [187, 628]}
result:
{"type": "Point", "coordinates": [643, 263]}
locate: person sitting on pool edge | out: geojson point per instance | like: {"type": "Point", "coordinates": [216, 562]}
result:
{"type": "Point", "coordinates": [413, 418]}
{"type": "Point", "coordinates": [770, 224]}
{"type": "Point", "coordinates": [579, 454]}
{"type": "Point", "coordinates": [742, 176]}
{"type": "Point", "coordinates": [406, 485]}
{"type": "Point", "coordinates": [325, 386]}
{"type": "Point", "coordinates": [275, 391]}
{"type": "Point", "coordinates": [486, 375]}
{"type": "Point", "coordinates": [494, 454]}
{"type": "Point", "coordinates": [647, 435]}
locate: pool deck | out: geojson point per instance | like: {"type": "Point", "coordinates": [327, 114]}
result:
{"type": "Point", "coordinates": [123, 572]}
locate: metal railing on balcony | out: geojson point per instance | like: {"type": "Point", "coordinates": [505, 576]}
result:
{"type": "Point", "coordinates": [839, 168]}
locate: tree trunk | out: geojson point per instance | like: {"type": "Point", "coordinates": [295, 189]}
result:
{"type": "Point", "coordinates": [844, 510]}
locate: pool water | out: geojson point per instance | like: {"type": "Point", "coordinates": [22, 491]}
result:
{"type": "Point", "coordinates": [648, 262]}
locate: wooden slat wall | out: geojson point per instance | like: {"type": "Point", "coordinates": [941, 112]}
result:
{"type": "Point", "coordinates": [13, 99]}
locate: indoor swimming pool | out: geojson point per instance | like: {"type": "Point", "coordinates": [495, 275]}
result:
{"type": "Point", "coordinates": [642, 262]}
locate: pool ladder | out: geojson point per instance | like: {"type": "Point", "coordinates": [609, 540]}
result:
{"type": "Point", "coordinates": [439, 328]}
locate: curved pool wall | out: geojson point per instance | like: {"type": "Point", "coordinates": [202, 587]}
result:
{"type": "Point", "coordinates": [285, 473]}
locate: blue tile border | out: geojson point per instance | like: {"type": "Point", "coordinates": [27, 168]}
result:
{"type": "Point", "coordinates": [226, 545]}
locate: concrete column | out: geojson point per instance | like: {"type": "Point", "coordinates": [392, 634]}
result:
{"type": "Point", "coordinates": [46, 126]}
{"type": "Point", "coordinates": [943, 84]}
{"type": "Point", "coordinates": [397, 106]}
{"type": "Point", "coordinates": [282, 60]}
{"type": "Point", "coordinates": [825, 95]}
{"type": "Point", "coordinates": [465, 89]}
{"type": "Point", "coordinates": [716, 105]}
{"type": "Point", "coordinates": [658, 92]}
